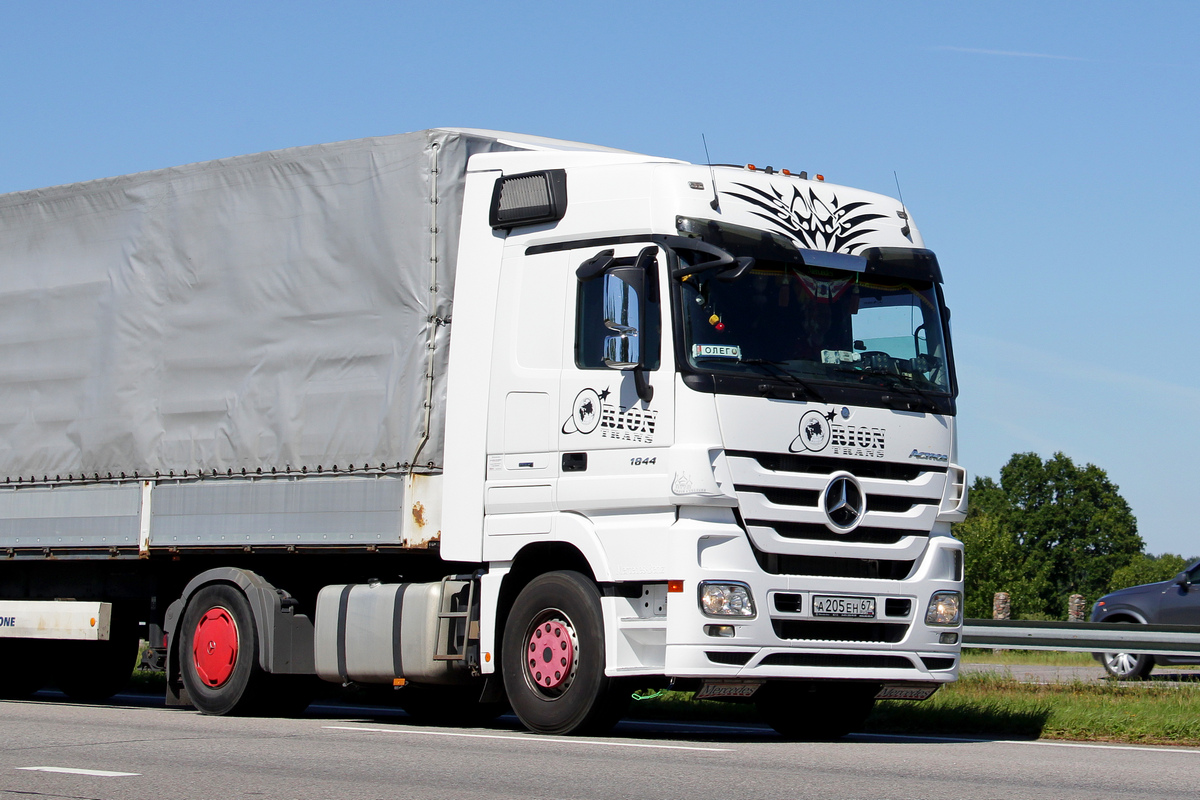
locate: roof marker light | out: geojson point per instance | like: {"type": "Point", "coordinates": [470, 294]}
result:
{"type": "Point", "coordinates": [751, 167]}
{"type": "Point", "coordinates": [820, 177]}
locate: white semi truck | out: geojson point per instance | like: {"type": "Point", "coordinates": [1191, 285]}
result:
{"type": "Point", "coordinates": [484, 417]}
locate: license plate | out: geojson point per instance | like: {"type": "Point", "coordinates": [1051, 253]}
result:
{"type": "Point", "coordinates": [839, 606]}
{"type": "Point", "coordinates": [715, 690]}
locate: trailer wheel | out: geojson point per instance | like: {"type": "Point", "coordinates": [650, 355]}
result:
{"type": "Point", "coordinates": [219, 652]}
{"type": "Point", "coordinates": [810, 712]}
{"type": "Point", "coordinates": [553, 657]}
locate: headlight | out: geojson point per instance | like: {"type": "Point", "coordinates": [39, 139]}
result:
{"type": "Point", "coordinates": [726, 600]}
{"type": "Point", "coordinates": [945, 608]}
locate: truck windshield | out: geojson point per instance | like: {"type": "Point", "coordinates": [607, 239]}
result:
{"type": "Point", "coordinates": [786, 320]}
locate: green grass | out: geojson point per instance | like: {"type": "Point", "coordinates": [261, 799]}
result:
{"type": "Point", "coordinates": [994, 705]}
{"type": "Point", "coordinates": [1038, 657]}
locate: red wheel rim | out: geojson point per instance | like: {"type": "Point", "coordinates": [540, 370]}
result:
{"type": "Point", "coordinates": [550, 655]}
{"type": "Point", "coordinates": [215, 647]}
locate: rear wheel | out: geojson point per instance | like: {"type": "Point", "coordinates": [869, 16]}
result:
{"type": "Point", "coordinates": [815, 711]}
{"type": "Point", "coordinates": [219, 653]}
{"type": "Point", "coordinates": [553, 658]}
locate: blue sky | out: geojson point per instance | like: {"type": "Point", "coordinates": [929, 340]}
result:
{"type": "Point", "coordinates": [1048, 151]}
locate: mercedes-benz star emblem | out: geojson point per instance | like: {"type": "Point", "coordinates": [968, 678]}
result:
{"type": "Point", "coordinates": [844, 503]}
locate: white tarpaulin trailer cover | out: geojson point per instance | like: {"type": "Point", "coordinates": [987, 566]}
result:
{"type": "Point", "coordinates": [265, 311]}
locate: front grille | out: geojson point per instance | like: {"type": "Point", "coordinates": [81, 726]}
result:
{"type": "Point", "coordinates": [816, 531]}
{"type": "Point", "coordinates": [819, 465]}
{"type": "Point", "coordinates": [830, 567]}
{"type": "Point", "coordinates": [891, 505]}
{"type": "Point", "coordinates": [811, 498]}
{"type": "Point", "coordinates": [806, 498]}
{"type": "Point", "coordinates": [835, 660]}
{"type": "Point", "coordinates": [814, 630]}
{"type": "Point", "coordinates": [736, 659]}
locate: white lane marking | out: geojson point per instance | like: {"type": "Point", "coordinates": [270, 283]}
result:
{"type": "Point", "coordinates": [534, 739]}
{"type": "Point", "coordinates": [96, 773]}
{"type": "Point", "coordinates": [1037, 742]}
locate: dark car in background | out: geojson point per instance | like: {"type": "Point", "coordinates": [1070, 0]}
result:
{"type": "Point", "coordinates": [1173, 602]}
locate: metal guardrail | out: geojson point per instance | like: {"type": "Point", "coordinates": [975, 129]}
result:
{"type": "Point", "coordinates": [1083, 637]}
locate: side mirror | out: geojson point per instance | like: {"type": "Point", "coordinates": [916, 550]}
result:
{"type": "Point", "coordinates": [1182, 579]}
{"type": "Point", "coordinates": [622, 314]}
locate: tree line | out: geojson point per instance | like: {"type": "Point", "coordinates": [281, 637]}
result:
{"type": "Point", "coordinates": [1050, 529]}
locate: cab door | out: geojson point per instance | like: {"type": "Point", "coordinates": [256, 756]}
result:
{"type": "Point", "coordinates": [522, 440]}
{"type": "Point", "coordinates": [613, 435]}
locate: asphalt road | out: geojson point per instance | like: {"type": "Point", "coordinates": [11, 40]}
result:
{"type": "Point", "coordinates": [335, 751]}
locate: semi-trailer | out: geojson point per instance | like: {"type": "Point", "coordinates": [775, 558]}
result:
{"type": "Point", "coordinates": [485, 417]}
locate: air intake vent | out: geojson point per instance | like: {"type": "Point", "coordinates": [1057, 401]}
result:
{"type": "Point", "coordinates": [933, 664]}
{"type": "Point", "coordinates": [889, 632]}
{"type": "Point", "coordinates": [789, 603]}
{"type": "Point", "coordinates": [732, 657]}
{"type": "Point", "coordinates": [836, 660]}
{"type": "Point", "coordinates": [830, 567]}
{"type": "Point", "coordinates": [529, 198]}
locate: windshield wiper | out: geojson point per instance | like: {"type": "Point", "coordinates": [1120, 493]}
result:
{"type": "Point", "coordinates": [896, 380]}
{"type": "Point", "coordinates": [777, 368]}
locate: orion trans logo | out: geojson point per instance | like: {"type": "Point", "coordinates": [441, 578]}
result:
{"type": "Point", "coordinates": [818, 433]}
{"type": "Point", "coordinates": [591, 411]}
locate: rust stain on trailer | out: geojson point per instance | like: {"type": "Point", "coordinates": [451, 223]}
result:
{"type": "Point", "coordinates": [423, 511]}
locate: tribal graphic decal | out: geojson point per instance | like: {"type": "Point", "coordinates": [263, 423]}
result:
{"type": "Point", "coordinates": [815, 223]}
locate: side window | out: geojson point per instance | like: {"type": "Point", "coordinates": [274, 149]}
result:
{"type": "Point", "coordinates": [590, 330]}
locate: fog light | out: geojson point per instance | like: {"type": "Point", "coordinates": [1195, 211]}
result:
{"type": "Point", "coordinates": [945, 608]}
{"type": "Point", "coordinates": [726, 600]}
{"type": "Point", "coordinates": [719, 630]}
{"type": "Point", "coordinates": [947, 638]}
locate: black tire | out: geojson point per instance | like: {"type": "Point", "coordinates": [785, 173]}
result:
{"type": "Point", "coordinates": [815, 711]}
{"type": "Point", "coordinates": [565, 607]}
{"type": "Point", "coordinates": [238, 688]}
{"type": "Point", "coordinates": [23, 667]}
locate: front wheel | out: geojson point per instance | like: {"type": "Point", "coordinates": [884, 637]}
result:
{"type": "Point", "coordinates": [553, 658]}
{"type": "Point", "coordinates": [1127, 666]}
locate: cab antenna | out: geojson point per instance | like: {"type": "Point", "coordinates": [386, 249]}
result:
{"type": "Point", "coordinates": [715, 204]}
